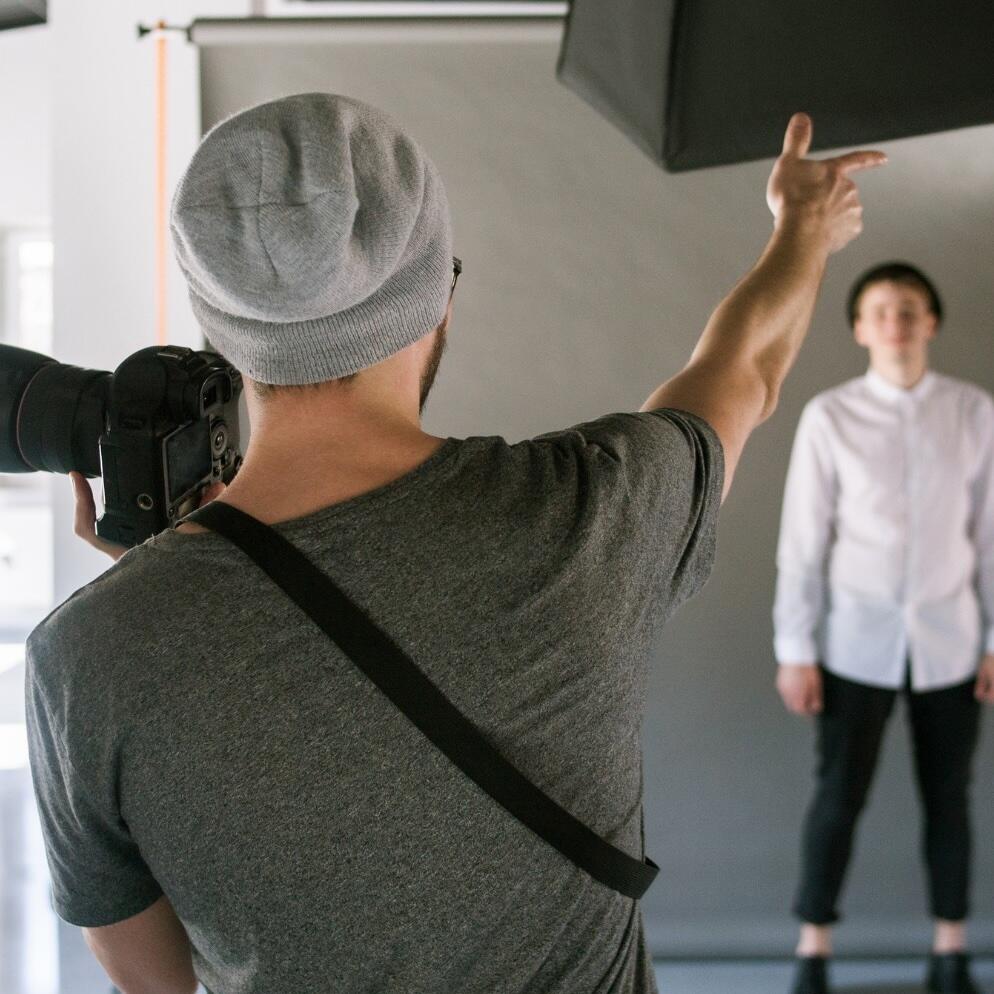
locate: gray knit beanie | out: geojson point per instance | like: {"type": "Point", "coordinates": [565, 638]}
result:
{"type": "Point", "coordinates": [315, 238]}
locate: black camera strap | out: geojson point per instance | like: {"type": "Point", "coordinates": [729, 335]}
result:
{"type": "Point", "coordinates": [397, 676]}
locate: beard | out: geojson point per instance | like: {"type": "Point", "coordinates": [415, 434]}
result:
{"type": "Point", "coordinates": [430, 371]}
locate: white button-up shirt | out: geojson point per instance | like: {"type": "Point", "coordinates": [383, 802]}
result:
{"type": "Point", "coordinates": [887, 533]}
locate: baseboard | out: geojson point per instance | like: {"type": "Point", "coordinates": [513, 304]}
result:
{"type": "Point", "coordinates": [774, 938]}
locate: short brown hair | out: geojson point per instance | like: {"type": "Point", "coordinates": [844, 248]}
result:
{"type": "Point", "coordinates": [893, 272]}
{"type": "Point", "coordinates": [266, 391]}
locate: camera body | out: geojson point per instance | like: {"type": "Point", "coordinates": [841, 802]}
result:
{"type": "Point", "coordinates": [158, 430]}
{"type": "Point", "coordinates": [172, 429]}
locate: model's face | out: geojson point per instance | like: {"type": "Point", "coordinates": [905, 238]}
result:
{"type": "Point", "coordinates": [894, 322]}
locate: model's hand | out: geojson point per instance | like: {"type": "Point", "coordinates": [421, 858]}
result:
{"type": "Point", "coordinates": [85, 519]}
{"type": "Point", "coordinates": [800, 687]}
{"type": "Point", "coordinates": [985, 680]}
{"type": "Point", "coordinates": [817, 195]}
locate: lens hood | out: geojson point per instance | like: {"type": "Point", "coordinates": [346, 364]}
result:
{"type": "Point", "coordinates": [18, 367]}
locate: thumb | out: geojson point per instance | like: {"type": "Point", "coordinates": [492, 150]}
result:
{"type": "Point", "coordinates": [797, 139]}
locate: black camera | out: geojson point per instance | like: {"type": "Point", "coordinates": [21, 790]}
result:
{"type": "Point", "coordinates": [158, 430]}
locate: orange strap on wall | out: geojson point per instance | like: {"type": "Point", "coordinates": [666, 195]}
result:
{"type": "Point", "coordinates": [161, 257]}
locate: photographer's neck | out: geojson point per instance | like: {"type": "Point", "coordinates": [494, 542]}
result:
{"type": "Point", "coordinates": [312, 448]}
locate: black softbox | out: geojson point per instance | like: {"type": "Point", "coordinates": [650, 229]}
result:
{"type": "Point", "coordinates": [705, 82]}
{"type": "Point", "coordinates": [21, 13]}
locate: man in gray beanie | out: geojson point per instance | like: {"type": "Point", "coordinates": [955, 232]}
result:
{"type": "Point", "coordinates": [315, 238]}
{"type": "Point", "coordinates": [227, 796]}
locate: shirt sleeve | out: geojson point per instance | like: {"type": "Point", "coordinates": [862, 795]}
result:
{"type": "Point", "coordinates": [651, 485]}
{"type": "Point", "coordinates": [982, 515]}
{"type": "Point", "coordinates": [98, 875]}
{"type": "Point", "coordinates": [807, 525]}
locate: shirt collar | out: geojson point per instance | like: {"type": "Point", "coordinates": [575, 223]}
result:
{"type": "Point", "coordinates": [888, 391]}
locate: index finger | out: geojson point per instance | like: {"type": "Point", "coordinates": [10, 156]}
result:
{"type": "Point", "coordinates": [85, 510]}
{"type": "Point", "coordinates": [854, 161]}
{"type": "Point", "coordinates": [85, 519]}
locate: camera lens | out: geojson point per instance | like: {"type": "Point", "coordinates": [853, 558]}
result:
{"type": "Point", "coordinates": [17, 368]}
{"type": "Point", "coordinates": [51, 415]}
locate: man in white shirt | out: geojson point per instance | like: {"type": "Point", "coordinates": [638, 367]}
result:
{"type": "Point", "coordinates": [886, 584]}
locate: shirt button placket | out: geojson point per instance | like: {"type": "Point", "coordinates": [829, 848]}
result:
{"type": "Point", "coordinates": [912, 452]}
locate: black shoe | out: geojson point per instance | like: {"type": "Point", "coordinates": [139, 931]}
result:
{"type": "Point", "coordinates": [949, 973]}
{"type": "Point", "coordinates": [811, 975]}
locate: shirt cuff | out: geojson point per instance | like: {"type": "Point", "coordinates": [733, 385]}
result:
{"type": "Point", "coordinates": [795, 649]}
{"type": "Point", "coordinates": [989, 644]}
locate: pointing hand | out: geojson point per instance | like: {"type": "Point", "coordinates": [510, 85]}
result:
{"type": "Point", "coordinates": [817, 194]}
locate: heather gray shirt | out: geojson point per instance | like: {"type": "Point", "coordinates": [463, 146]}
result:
{"type": "Point", "coordinates": [193, 733]}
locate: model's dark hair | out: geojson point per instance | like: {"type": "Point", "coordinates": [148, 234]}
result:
{"type": "Point", "coordinates": [893, 272]}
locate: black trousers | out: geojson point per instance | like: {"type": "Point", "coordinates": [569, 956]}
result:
{"type": "Point", "coordinates": [944, 729]}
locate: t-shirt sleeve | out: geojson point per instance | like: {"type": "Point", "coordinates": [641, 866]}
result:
{"type": "Point", "coordinates": [652, 483]}
{"type": "Point", "coordinates": [98, 875]}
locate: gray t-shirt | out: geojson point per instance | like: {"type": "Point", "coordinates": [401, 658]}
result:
{"type": "Point", "coordinates": [193, 733]}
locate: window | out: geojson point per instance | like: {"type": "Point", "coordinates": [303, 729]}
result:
{"type": "Point", "coordinates": [28, 291]}
{"type": "Point", "coordinates": [28, 943]}
{"type": "Point", "coordinates": [25, 515]}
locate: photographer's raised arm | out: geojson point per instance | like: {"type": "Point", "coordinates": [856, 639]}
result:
{"type": "Point", "coordinates": [734, 376]}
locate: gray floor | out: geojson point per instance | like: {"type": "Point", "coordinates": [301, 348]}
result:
{"type": "Point", "coordinates": [848, 977]}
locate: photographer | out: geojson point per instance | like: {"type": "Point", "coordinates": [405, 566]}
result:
{"type": "Point", "coordinates": [225, 796]}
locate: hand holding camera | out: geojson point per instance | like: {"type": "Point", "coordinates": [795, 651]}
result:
{"type": "Point", "coordinates": [85, 515]}
{"type": "Point", "coordinates": [162, 431]}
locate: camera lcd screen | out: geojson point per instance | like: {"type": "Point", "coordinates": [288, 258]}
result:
{"type": "Point", "coordinates": [188, 457]}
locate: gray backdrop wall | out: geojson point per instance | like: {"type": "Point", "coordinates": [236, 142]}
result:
{"type": "Point", "coordinates": [588, 276]}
